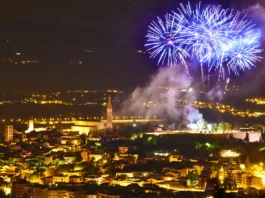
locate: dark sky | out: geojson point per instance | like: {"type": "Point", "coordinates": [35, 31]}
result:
{"type": "Point", "coordinates": [56, 32]}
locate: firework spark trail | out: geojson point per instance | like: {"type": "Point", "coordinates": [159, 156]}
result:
{"type": "Point", "coordinates": [185, 64]}
{"type": "Point", "coordinates": [202, 74]}
{"type": "Point", "coordinates": [226, 85]}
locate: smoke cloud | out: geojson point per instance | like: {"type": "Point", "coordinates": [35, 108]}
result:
{"type": "Point", "coordinates": [257, 13]}
{"type": "Point", "coordinates": [214, 94]}
{"type": "Point", "coordinates": [159, 97]}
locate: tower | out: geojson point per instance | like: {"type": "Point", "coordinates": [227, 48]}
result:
{"type": "Point", "coordinates": [30, 124]}
{"type": "Point", "coordinates": [109, 114]}
{"type": "Point", "coordinates": [9, 133]}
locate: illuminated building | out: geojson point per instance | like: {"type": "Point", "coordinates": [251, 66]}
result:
{"type": "Point", "coordinates": [30, 125]}
{"type": "Point", "coordinates": [246, 180]}
{"type": "Point", "coordinates": [69, 159]}
{"type": "Point", "coordinates": [221, 175]}
{"type": "Point", "coordinates": [95, 156]}
{"type": "Point", "coordinates": [123, 149]}
{"type": "Point", "coordinates": [109, 114]}
{"type": "Point", "coordinates": [134, 174]}
{"type": "Point", "coordinates": [48, 159]}
{"type": "Point", "coordinates": [75, 179]}
{"type": "Point", "coordinates": [84, 129]}
{"type": "Point", "coordinates": [70, 141]}
{"type": "Point", "coordinates": [9, 133]}
{"type": "Point", "coordinates": [129, 158]}
{"type": "Point", "coordinates": [54, 192]}
{"type": "Point", "coordinates": [174, 158]}
{"type": "Point", "coordinates": [60, 179]}
{"type": "Point", "coordinates": [84, 155]}
{"type": "Point", "coordinates": [229, 154]}
{"type": "Point", "coordinates": [19, 136]}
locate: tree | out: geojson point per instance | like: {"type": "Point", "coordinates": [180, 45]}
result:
{"type": "Point", "coordinates": [212, 183]}
{"type": "Point", "coordinates": [214, 127]}
{"type": "Point", "coordinates": [78, 157]}
{"type": "Point", "coordinates": [3, 195]}
{"type": "Point", "coordinates": [133, 136]}
{"type": "Point", "coordinates": [202, 124]}
{"type": "Point", "coordinates": [49, 172]}
{"type": "Point", "coordinates": [231, 137]}
{"type": "Point", "coordinates": [25, 195]}
{"type": "Point", "coordinates": [247, 137]}
{"type": "Point", "coordinates": [83, 138]}
{"type": "Point", "coordinates": [135, 188]}
{"type": "Point", "coordinates": [221, 127]}
{"type": "Point", "coordinates": [224, 127]}
{"type": "Point", "coordinates": [34, 178]}
{"type": "Point", "coordinates": [228, 126]}
{"type": "Point", "coordinates": [64, 168]}
{"type": "Point", "coordinates": [193, 175]}
{"type": "Point", "coordinates": [89, 168]}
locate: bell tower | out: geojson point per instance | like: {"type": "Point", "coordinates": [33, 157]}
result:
{"type": "Point", "coordinates": [109, 114]}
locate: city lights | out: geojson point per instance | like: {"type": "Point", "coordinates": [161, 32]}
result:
{"type": "Point", "coordinates": [229, 154]}
{"type": "Point", "coordinates": [83, 114]}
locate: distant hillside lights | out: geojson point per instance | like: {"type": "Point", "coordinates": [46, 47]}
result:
{"type": "Point", "coordinates": [23, 62]}
{"type": "Point", "coordinates": [258, 101]}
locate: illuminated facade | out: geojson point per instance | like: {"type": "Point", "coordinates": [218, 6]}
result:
{"type": "Point", "coordinates": [85, 127]}
{"type": "Point", "coordinates": [60, 179]}
{"type": "Point", "coordinates": [246, 180]}
{"type": "Point", "coordinates": [9, 131]}
{"type": "Point", "coordinates": [229, 154]}
{"type": "Point", "coordinates": [30, 125]}
{"type": "Point", "coordinates": [109, 114]}
{"type": "Point", "coordinates": [123, 149]}
{"type": "Point", "coordinates": [174, 158]}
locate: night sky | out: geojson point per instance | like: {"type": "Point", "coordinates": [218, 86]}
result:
{"type": "Point", "coordinates": [103, 34]}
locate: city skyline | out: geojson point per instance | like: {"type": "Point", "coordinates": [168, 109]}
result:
{"type": "Point", "coordinates": [86, 111]}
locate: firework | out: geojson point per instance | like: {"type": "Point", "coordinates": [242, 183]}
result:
{"type": "Point", "coordinates": [164, 41]}
{"type": "Point", "coordinates": [244, 53]}
{"type": "Point", "coordinates": [206, 30]}
{"type": "Point", "coordinates": [219, 39]}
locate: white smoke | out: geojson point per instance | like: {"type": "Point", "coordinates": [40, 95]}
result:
{"type": "Point", "coordinates": [215, 94]}
{"type": "Point", "coordinates": [257, 13]}
{"type": "Point", "coordinates": [159, 97]}
{"type": "Point", "coordinates": [192, 114]}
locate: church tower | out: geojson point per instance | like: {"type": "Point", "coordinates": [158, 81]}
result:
{"type": "Point", "coordinates": [109, 114]}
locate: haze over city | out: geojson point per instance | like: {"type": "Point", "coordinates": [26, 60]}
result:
{"type": "Point", "coordinates": [132, 98]}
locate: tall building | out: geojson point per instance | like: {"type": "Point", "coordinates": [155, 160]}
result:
{"type": "Point", "coordinates": [30, 125]}
{"type": "Point", "coordinates": [9, 131]}
{"type": "Point", "coordinates": [109, 114]}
